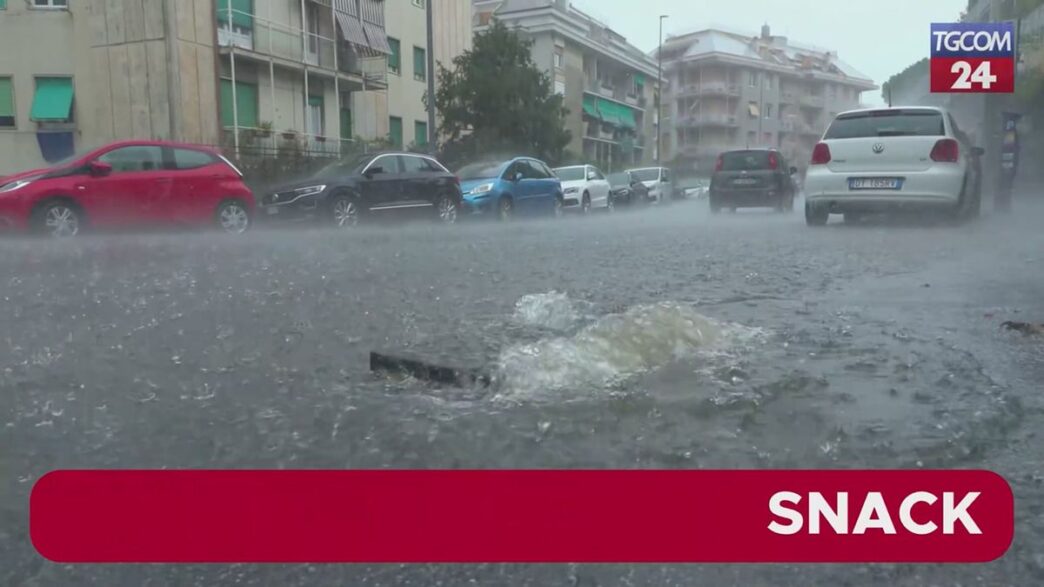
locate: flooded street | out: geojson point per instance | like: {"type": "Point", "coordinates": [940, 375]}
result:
{"type": "Point", "coordinates": [666, 338]}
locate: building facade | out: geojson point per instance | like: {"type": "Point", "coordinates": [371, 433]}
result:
{"type": "Point", "coordinates": [608, 85]}
{"type": "Point", "coordinates": [256, 76]}
{"type": "Point", "coordinates": [728, 91]}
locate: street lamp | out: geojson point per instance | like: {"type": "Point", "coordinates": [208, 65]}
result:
{"type": "Point", "coordinates": [659, 97]}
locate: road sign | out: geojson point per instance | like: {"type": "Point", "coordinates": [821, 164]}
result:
{"type": "Point", "coordinates": [973, 58]}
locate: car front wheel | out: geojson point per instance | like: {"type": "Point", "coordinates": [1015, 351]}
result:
{"type": "Point", "coordinates": [344, 212]}
{"type": "Point", "coordinates": [447, 210]}
{"type": "Point", "coordinates": [59, 220]}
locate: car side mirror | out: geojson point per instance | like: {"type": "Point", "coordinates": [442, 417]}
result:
{"type": "Point", "coordinates": [978, 151]}
{"type": "Point", "coordinates": [374, 171]}
{"type": "Point", "coordinates": [99, 169]}
{"type": "Point", "coordinates": [517, 176]}
{"type": "Point", "coordinates": [591, 177]}
{"type": "Point", "coordinates": [793, 170]}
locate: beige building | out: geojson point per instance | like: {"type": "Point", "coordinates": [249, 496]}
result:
{"type": "Point", "coordinates": [253, 75]}
{"type": "Point", "coordinates": [729, 90]}
{"type": "Point", "coordinates": [608, 84]}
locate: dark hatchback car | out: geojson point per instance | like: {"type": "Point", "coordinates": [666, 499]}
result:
{"type": "Point", "coordinates": [752, 178]}
{"type": "Point", "coordinates": [347, 192]}
{"type": "Point", "coordinates": [626, 189]}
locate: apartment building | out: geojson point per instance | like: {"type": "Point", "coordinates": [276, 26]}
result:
{"type": "Point", "coordinates": [608, 84]}
{"type": "Point", "coordinates": [251, 75]}
{"type": "Point", "coordinates": [729, 90]}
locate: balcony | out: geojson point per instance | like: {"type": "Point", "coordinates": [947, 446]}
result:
{"type": "Point", "coordinates": [810, 101]}
{"type": "Point", "coordinates": [708, 89]}
{"type": "Point", "coordinates": [296, 48]}
{"type": "Point", "coordinates": [706, 120]}
{"type": "Point", "coordinates": [631, 99]}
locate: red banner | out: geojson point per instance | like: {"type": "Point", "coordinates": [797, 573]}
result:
{"type": "Point", "coordinates": [521, 516]}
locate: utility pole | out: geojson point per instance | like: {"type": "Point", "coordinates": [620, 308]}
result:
{"type": "Point", "coordinates": [659, 97]}
{"type": "Point", "coordinates": [432, 131]}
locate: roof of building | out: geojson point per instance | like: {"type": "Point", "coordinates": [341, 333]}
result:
{"type": "Point", "coordinates": [770, 51]}
{"type": "Point", "coordinates": [574, 22]}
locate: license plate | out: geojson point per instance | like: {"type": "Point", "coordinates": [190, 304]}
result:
{"type": "Point", "coordinates": [744, 182]}
{"type": "Point", "coordinates": [273, 211]}
{"type": "Point", "coordinates": [875, 183]}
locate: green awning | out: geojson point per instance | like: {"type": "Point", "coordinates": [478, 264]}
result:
{"type": "Point", "coordinates": [590, 108]}
{"type": "Point", "coordinates": [617, 114]}
{"type": "Point", "coordinates": [242, 12]}
{"type": "Point", "coordinates": [53, 99]}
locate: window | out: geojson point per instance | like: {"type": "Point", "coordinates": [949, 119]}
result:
{"type": "Point", "coordinates": [7, 114]}
{"type": "Point", "coordinates": [414, 165]}
{"type": "Point", "coordinates": [53, 100]}
{"type": "Point", "coordinates": [134, 159]}
{"type": "Point", "coordinates": [316, 122]}
{"type": "Point", "coordinates": [395, 131]}
{"type": "Point", "coordinates": [242, 14]}
{"type": "Point", "coordinates": [50, 4]}
{"type": "Point", "coordinates": [420, 133]}
{"type": "Point", "coordinates": [3, 4]}
{"type": "Point", "coordinates": [558, 57]}
{"type": "Point", "coordinates": [752, 79]}
{"type": "Point", "coordinates": [768, 82]}
{"type": "Point", "coordinates": [192, 159]}
{"type": "Point", "coordinates": [389, 164]}
{"type": "Point", "coordinates": [560, 87]}
{"type": "Point", "coordinates": [753, 110]}
{"type": "Point", "coordinates": [395, 59]}
{"type": "Point", "coordinates": [244, 115]}
{"type": "Point", "coordinates": [768, 110]}
{"type": "Point", "coordinates": [346, 124]}
{"type": "Point", "coordinates": [888, 123]}
{"type": "Point", "coordinates": [420, 64]}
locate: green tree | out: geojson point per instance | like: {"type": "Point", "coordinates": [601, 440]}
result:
{"type": "Point", "coordinates": [496, 101]}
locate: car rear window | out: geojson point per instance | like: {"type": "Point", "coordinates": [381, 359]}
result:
{"type": "Point", "coordinates": [887, 123]}
{"type": "Point", "coordinates": [745, 161]}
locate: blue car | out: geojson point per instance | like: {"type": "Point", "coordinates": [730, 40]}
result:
{"type": "Point", "coordinates": [522, 186]}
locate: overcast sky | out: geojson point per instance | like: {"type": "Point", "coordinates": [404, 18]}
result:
{"type": "Point", "coordinates": [878, 37]}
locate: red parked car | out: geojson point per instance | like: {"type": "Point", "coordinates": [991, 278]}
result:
{"type": "Point", "coordinates": [129, 184]}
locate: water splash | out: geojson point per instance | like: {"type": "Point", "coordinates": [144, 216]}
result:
{"type": "Point", "coordinates": [607, 352]}
{"type": "Point", "coordinates": [552, 311]}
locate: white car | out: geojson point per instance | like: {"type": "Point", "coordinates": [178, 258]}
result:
{"type": "Point", "coordinates": [876, 160]}
{"type": "Point", "coordinates": [658, 180]}
{"type": "Point", "coordinates": [584, 186]}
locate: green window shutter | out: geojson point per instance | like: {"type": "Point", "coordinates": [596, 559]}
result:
{"type": "Point", "coordinates": [315, 101]}
{"type": "Point", "coordinates": [3, 4]}
{"type": "Point", "coordinates": [639, 79]}
{"type": "Point", "coordinates": [246, 104]}
{"type": "Point", "coordinates": [6, 94]}
{"type": "Point", "coordinates": [420, 133]}
{"type": "Point", "coordinates": [420, 63]}
{"type": "Point", "coordinates": [395, 59]}
{"type": "Point", "coordinates": [395, 131]}
{"type": "Point", "coordinates": [346, 124]}
{"type": "Point", "coordinates": [242, 12]}
{"type": "Point", "coordinates": [590, 108]}
{"type": "Point", "coordinates": [53, 99]}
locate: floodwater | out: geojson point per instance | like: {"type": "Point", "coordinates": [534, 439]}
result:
{"type": "Point", "coordinates": [664, 338]}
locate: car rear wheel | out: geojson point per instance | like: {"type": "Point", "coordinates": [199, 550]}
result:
{"type": "Point", "coordinates": [344, 211]}
{"type": "Point", "coordinates": [59, 220]}
{"type": "Point", "coordinates": [816, 216]}
{"type": "Point", "coordinates": [447, 210]}
{"type": "Point", "coordinates": [585, 203]}
{"type": "Point", "coordinates": [232, 217]}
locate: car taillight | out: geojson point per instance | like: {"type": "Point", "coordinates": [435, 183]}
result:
{"type": "Point", "coordinates": [821, 154]}
{"type": "Point", "coordinates": [720, 164]}
{"type": "Point", "coordinates": [946, 151]}
{"type": "Point", "coordinates": [773, 161]}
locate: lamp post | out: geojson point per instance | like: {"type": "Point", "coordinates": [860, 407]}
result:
{"type": "Point", "coordinates": [659, 96]}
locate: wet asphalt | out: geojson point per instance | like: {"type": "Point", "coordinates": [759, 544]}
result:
{"type": "Point", "coordinates": [848, 346]}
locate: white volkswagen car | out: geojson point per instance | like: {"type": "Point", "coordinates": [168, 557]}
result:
{"type": "Point", "coordinates": [877, 160]}
{"type": "Point", "coordinates": [584, 186]}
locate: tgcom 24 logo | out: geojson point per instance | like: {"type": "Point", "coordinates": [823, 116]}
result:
{"type": "Point", "coordinates": [973, 58]}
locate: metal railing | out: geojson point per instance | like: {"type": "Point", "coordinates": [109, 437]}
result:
{"type": "Point", "coordinates": [691, 120]}
{"type": "Point", "coordinates": [282, 41]}
{"type": "Point", "coordinates": [259, 141]}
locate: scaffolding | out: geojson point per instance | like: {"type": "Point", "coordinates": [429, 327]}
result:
{"type": "Point", "coordinates": [355, 59]}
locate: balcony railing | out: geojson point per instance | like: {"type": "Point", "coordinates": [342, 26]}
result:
{"type": "Point", "coordinates": [260, 141]}
{"type": "Point", "coordinates": [297, 45]}
{"type": "Point", "coordinates": [695, 120]}
{"type": "Point", "coordinates": [708, 89]}
{"type": "Point", "coordinates": [810, 101]}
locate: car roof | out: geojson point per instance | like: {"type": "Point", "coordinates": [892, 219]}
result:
{"type": "Point", "coordinates": [753, 150]}
{"type": "Point", "coordinates": [572, 166]}
{"type": "Point", "coordinates": [895, 108]}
